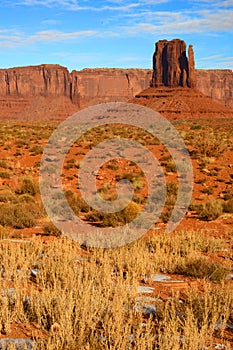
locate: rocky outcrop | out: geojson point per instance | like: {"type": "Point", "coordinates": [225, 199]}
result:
{"type": "Point", "coordinates": [192, 81]}
{"type": "Point", "coordinates": [182, 103]}
{"type": "Point", "coordinates": [51, 92]}
{"type": "Point", "coordinates": [171, 66]}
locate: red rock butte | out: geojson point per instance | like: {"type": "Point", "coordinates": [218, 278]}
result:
{"type": "Point", "coordinates": [173, 87]}
{"type": "Point", "coordinates": [171, 66]}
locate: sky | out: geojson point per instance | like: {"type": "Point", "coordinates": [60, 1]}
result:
{"type": "Point", "coordinates": [81, 34]}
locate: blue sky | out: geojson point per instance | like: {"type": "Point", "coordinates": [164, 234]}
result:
{"type": "Point", "coordinates": [112, 33]}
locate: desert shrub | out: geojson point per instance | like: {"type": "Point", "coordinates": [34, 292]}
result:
{"type": "Point", "coordinates": [26, 198]}
{"type": "Point", "coordinates": [28, 186]}
{"type": "Point", "coordinates": [228, 206]}
{"type": "Point", "coordinates": [169, 163]}
{"type": "Point", "coordinates": [4, 175]}
{"type": "Point", "coordinates": [208, 143]}
{"type": "Point", "coordinates": [51, 230]}
{"type": "Point", "coordinates": [77, 203]}
{"type": "Point", "coordinates": [75, 304]}
{"type": "Point", "coordinates": [208, 190]}
{"type": "Point", "coordinates": [3, 164]}
{"type": "Point", "coordinates": [17, 153]}
{"type": "Point", "coordinates": [171, 197]}
{"type": "Point", "coordinates": [227, 195]}
{"type": "Point", "coordinates": [112, 165]}
{"type": "Point", "coordinates": [70, 164]}
{"type": "Point", "coordinates": [17, 215]}
{"type": "Point", "coordinates": [171, 167]}
{"type": "Point", "coordinates": [195, 126]}
{"type": "Point", "coordinates": [7, 196]}
{"type": "Point", "coordinates": [210, 210]}
{"type": "Point", "coordinates": [136, 180]}
{"type": "Point", "coordinates": [201, 181]}
{"type": "Point", "coordinates": [20, 143]}
{"type": "Point", "coordinates": [128, 214]}
{"type": "Point", "coordinates": [202, 267]}
{"type": "Point", "coordinates": [37, 149]}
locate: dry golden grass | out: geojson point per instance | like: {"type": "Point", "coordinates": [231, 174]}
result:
{"type": "Point", "coordinates": [88, 301]}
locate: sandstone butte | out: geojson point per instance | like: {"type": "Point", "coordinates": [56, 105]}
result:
{"type": "Point", "coordinates": [174, 89]}
{"type": "Point", "coordinates": [49, 92]}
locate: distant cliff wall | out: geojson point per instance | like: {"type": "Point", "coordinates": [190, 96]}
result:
{"type": "Point", "coordinates": [43, 80]}
{"type": "Point", "coordinates": [52, 89]}
{"type": "Point", "coordinates": [218, 84]}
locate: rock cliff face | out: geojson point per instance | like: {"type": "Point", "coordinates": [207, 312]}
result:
{"type": "Point", "coordinates": [50, 91]}
{"type": "Point", "coordinates": [106, 85]}
{"type": "Point", "coordinates": [218, 84]}
{"type": "Point", "coordinates": [171, 66]}
{"type": "Point", "coordinates": [43, 80]}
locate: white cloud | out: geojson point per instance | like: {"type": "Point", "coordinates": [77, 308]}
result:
{"type": "Point", "coordinates": [214, 3]}
{"type": "Point", "coordinates": [210, 57]}
{"type": "Point", "coordinates": [48, 3]}
{"type": "Point", "coordinates": [185, 23]}
{"type": "Point", "coordinates": [11, 39]}
{"type": "Point", "coordinates": [53, 36]}
{"type": "Point", "coordinates": [75, 6]}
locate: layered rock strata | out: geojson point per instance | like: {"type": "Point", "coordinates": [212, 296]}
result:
{"type": "Point", "coordinates": [171, 66]}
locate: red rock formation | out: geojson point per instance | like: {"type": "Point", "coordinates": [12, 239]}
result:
{"type": "Point", "coordinates": [106, 85]}
{"type": "Point", "coordinates": [218, 84]}
{"type": "Point", "coordinates": [51, 92]}
{"type": "Point", "coordinates": [22, 89]}
{"type": "Point", "coordinates": [181, 103]}
{"type": "Point", "coordinates": [43, 80]}
{"type": "Point", "coordinates": [171, 66]}
{"type": "Point", "coordinates": [191, 81]}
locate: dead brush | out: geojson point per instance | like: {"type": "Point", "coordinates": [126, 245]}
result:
{"type": "Point", "coordinates": [88, 302]}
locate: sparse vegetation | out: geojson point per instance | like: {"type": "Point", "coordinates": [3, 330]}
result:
{"type": "Point", "coordinates": [210, 210]}
{"type": "Point", "coordinates": [66, 298]}
{"type": "Point", "coordinates": [28, 186]}
{"type": "Point", "coordinates": [52, 230]}
{"type": "Point", "coordinates": [17, 215]}
{"type": "Point", "coordinates": [95, 296]}
{"type": "Point", "coordinates": [228, 206]}
{"type": "Point", "coordinates": [4, 175]}
{"type": "Point", "coordinates": [209, 143]}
